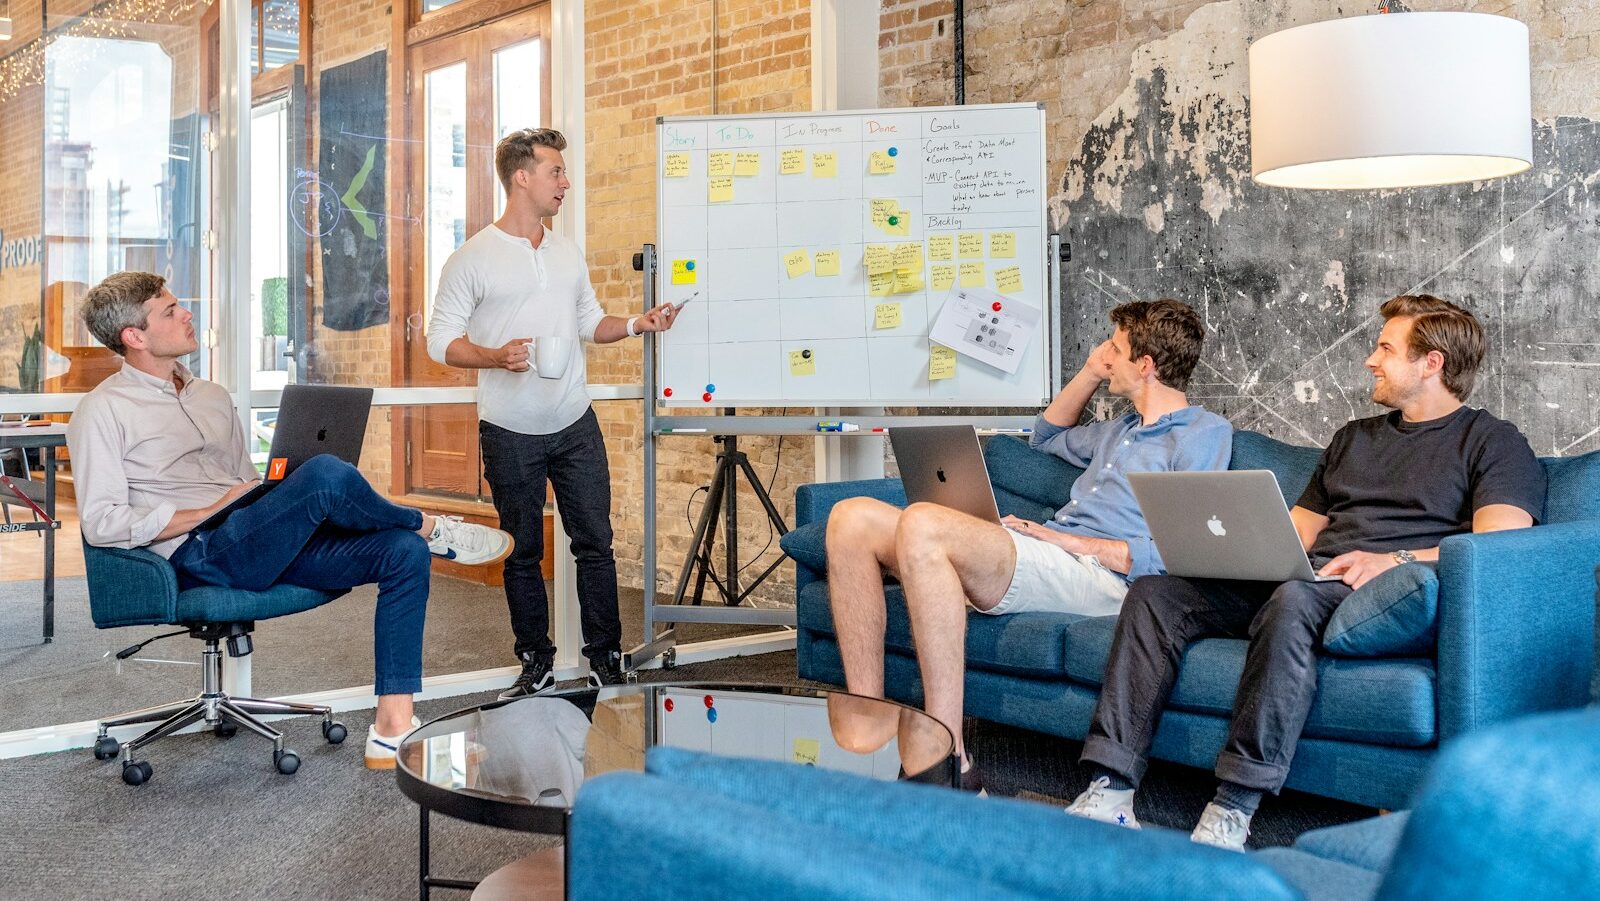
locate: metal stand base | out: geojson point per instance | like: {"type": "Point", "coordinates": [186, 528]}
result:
{"type": "Point", "coordinates": [722, 501]}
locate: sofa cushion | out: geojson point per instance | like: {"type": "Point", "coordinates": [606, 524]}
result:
{"type": "Point", "coordinates": [1291, 464]}
{"type": "Point", "coordinates": [1572, 484]}
{"type": "Point", "coordinates": [1367, 844]}
{"type": "Point", "coordinates": [1029, 644]}
{"type": "Point", "coordinates": [1387, 702]}
{"type": "Point", "coordinates": [1317, 879]}
{"type": "Point", "coordinates": [1030, 480]}
{"type": "Point", "coordinates": [1393, 615]}
{"type": "Point", "coordinates": [807, 545]}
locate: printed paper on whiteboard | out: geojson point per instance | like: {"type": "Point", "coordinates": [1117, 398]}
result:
{"type": "Point", "coordinates": [971, 325]}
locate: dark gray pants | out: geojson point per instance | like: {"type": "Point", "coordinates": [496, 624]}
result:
{"type": "Point", "coordinates": [1161, 617]}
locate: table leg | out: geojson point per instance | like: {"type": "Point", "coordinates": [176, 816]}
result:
{"type": "Point", "coordinates": [425, 882]}
{"type": "Point", "coordinates": [50, 545]}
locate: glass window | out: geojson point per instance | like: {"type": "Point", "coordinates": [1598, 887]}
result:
{"type": "Point", "coordinates": [445, 153]}
{"type": "Point", "coordinates": [517, 78]}
{"type": "Point", "coordinates": [280, 33]}
{"type": "Point", "coordinates": [269, 246]}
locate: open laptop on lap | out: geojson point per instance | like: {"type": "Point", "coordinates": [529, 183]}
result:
{"type": "Point", "coordinates": [1223, 525]}
{"type": "Point", "coordinates": [943, 464]}
{"type": "Point", "coordinates": [312, 420]}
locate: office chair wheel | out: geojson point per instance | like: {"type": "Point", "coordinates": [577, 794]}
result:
{"type": "Point", "coordinates": [225, 729]}
{"type": "Point", "coordinates": [106, 747]}
{"type": "Point", "coordinates": [334, 731]}
{"type": "Point", "coordinates": [136, 772]}
{"type": "Point", "coordinates": [286, 761]}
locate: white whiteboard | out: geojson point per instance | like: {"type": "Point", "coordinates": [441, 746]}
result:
{"type": "Point", "coordinates": [968, 177]}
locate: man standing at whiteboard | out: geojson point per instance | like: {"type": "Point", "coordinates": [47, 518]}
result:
{"type": "Point", "coordinates": [1080, 561]}
{"type": "Point", "coordinates": [513, 283]}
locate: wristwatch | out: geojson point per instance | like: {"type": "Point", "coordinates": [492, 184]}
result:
{"type": "Point", "coordinates": [1404, 557]}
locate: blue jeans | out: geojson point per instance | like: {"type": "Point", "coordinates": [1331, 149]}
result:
{"type": "Point", "coordinates": [325, 528]}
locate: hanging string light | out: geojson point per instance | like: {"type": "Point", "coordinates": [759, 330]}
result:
{"type": "Point", "coordinates": [25, 68]}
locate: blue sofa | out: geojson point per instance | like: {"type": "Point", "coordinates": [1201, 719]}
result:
{"type": "Point", "coordinates": [1510, 812]}
{"type": "Point", "coordinates": [1515, 629]}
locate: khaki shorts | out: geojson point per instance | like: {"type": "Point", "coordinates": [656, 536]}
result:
{"type": "Point", "coordinates": [1049, 578]}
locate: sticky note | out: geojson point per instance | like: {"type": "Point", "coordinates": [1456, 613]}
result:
{"type": "Point", "coordinates": [944, 276]}
{"type": "Point", "coordinates": [886, 315]}
{"type": "Point", "coordinates": [942, 247]}
{"type": "Point", "coordinates": [798, 263]}
{"type": "Point", "coordinates": [899, 223]}
{"type": "Point", "coordinates": [882, 210]}
{"type": "Point", "coordinates": [1008, 280]}
{"type": "Point", "coordinates": [880, 163]}
{"type": "Point", "coordinates": [824, 164]}
{"type": "Point", "coordinates": [970, 245]}
{"type": "Point", "coordinates": [720, 190]}
{"type": "Point", "coordinates": [807, 751]}
{"type": "Point", "coordinates": [1003, 245]}
{"type": "Point", "coordinates": [972, 275]}
{"type": "Point", "coordinates": [941, 362]}
{"type": "Point", "coordinates": [683, 272]}
{"type": "Point", "coordinates": [879, 284]}
{"type": "Point", "coordinates": [792, 162]}
{"type": "Point", "coordinates": [802, 362]}
{"type": "Point", "coordinates": [677, 165]}
{"type": "Point", "coordinates": [747, 163]}
{"type": "Point", "coordinates": [719, 163]}
{"type": "Point", "coordinates": [908, 255]}
{"type": "Point", "coordinates": [879, 258]}
{"type": "Point", "coordinates": [905, 282]}
{"type": "Point", "coordinates": [826, 262]}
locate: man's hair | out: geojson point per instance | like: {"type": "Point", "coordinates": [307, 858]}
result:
{"type": "Point", "coordinates": [118, 303]}
{"type": "Point", "coordinates": [1168, 331]}
{"type": "Point", "coordinates": [515, 150]}
{"type": "Point", "coordinates": [1440, 325]}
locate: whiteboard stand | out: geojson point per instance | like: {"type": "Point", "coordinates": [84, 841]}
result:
{"type": "Point", "coordinates": [722, 503]}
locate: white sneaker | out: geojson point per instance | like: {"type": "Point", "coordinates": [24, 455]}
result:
{"type": "Point", "coordinates": [1101, 803]}
{"type": "Point", "coordinates": [467, 542]}
{"type": "Point", "coordinates": [1222, 828]}
{"type": "Point", "coordinates": [380, 751]}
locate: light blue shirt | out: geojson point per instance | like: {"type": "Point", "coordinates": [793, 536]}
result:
{"type": "Point", "coordinates": [1103, 505]}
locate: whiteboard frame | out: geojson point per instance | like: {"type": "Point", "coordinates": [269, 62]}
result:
{"type": "Point", "coordinates": [1049, 337]}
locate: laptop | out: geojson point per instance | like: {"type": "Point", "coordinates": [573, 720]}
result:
{"type": "Point", "coordinates": [312, 420]}
{"type": "Point", "coordinates": [942, 464]}
{"type": "Point", "coordinates": [1223, 525]}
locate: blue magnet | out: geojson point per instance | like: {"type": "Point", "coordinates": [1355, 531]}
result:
{"type": "Point", "coordinates": [711, 389]}
{"type": "Point", "coordinates": [711, 715]}
{"type": "Point", "coordinates": [689, 265]}
{"type": "Point", "coordinates": [894, 151]}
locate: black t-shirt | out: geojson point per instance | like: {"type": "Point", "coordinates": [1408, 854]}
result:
{"type": "Point", "coordinates": [1388, 485]}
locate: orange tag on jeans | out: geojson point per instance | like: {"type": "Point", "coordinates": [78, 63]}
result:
{"type": "Point", "coordinates": [276, 468]}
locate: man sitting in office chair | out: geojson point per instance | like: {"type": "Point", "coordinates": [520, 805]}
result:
{"type": "Point", "coordinates": [1079, 562]}
{"type": "Point", "coordinates": [156, 452]}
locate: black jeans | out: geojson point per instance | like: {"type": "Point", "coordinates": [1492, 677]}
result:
{"type": "Point", "coordinates": [1161, 617]}
{"type": "Point", "coordinates": [574, 460]}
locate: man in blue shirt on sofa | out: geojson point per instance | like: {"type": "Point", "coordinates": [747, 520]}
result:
{"type": "Point", "coordinates": [1385, 492]}
{"type": "Point", "coordinates": [1079, 562]}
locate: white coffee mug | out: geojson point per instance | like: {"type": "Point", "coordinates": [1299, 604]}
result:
{"type": "Point", "coordinates": [548, 356]}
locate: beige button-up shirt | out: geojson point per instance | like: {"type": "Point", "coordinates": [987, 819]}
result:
{"type": "Point", "coordinates": [143, 450]}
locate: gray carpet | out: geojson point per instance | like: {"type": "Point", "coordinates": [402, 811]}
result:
{"type": "Point", "coordinates": [71, 679]}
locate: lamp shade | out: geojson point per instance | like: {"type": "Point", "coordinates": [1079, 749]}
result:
{"type": "Point", "coordinates": [1391, 101]}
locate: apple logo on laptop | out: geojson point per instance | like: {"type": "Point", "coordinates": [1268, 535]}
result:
{"type": "Point", "coordinates": [322, 434]}
{"type": "Point", "coordinates": [940, 474]}
{"type": "Point", "coordinates": [1215, 525]}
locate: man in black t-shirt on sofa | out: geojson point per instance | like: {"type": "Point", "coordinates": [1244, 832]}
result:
{"type": "Point", "coordinates": [1385, 492]}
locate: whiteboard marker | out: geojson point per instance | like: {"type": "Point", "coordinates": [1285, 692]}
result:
{"type": "Point", "coordinates": [682, 431]}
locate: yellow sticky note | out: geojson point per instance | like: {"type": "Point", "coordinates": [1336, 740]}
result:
{"type": "Point", "coordinates": [683, 272]}
{"type": "Point", "coordinates": [944, 276]}
{"type": "Point", "coordinates": [677, 165]}
{"type": "Point", "coordinates": [824, 164]}
{"type": "Point", "coordinates": [719, 163]}
{"type": "Point", "coordinates": [880, 163]}
{"type": "Point", "coordinates": [1003, 245]}
{"type": "Point", "coordinates": [941, 362]}
{"type": "Point", "coordinates": [906, 282]}
{"type": "Point", "coordinates": [802, 362]}
{"type": "Point", "coordinates": [747, 163]}
{"type": "Point", "coordinates": [970, 245]}
{"type": "Point", "coordinates": [792, 162]}
{"type": "Point", "coordinates": [807, 751]}
{"type": "Point", "coordinates": [1008, 280]}
{"type": "Point", "coordinates": [972, 275]}
{"type": "Point", "coordinates": [899, 223]}
{"type": "Point", "coordinates": [886, 315]}
{"type": "Point", "coordinates": [826, 262]}
{"type": "Point", "coordinates": [797, 263]}
{"type": "Point", "coordinates": [879, 258]}
{"type": "Point", "coordinates": [720, 190]}
{"type": "Point", "coordinates": [942, 247]}
{"type": "Point", "coordinates": [879, 284]}
{"type": "Point", "coordinates": [908, 255]}
{"type": "Point", "coordinates": [882, 210]}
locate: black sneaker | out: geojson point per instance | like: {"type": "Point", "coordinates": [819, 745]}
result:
{"type": "Point", "coordinates": [606, 669]}
{"type": "Point", "coordinates": [536, 676]}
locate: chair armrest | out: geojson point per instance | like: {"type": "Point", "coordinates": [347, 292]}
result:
{"type": "Point", "coordinates": [812, 502]}
{"type": "Point", "coordinates": [129, 587]}
{"type": "Point", "coordinates": [1516, 623]}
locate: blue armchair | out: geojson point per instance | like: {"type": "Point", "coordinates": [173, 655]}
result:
{"type": "Point", "coordinates": [1509, 812]}
{"type": "Point", "coordinates": [139, 588]}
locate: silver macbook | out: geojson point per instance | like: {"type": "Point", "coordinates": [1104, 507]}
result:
{"type": "Point", "coordinates": [942, 464]}
{"type": "Point", "coordinates": [1223, 525]}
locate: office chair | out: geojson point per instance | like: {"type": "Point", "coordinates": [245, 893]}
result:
{"type": "Point", "coordinates": [140, 588]}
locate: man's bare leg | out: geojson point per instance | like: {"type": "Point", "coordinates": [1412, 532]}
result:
{"type": "Point", "coordinates": [947, 559]}
{"type": "Point", "coordinates": [861, 538]}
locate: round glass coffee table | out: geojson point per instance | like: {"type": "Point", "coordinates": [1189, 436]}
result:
{"type": "Point", "coordinates": [519, 764]}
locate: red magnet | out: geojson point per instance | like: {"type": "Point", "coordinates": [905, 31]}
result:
{"type": "Point", "coordinates": [706, 397]}
{"type": "Point", "coordinates": [709, 702]}
{"type": "Point", "coordinates": [997, 306]}
{"type": "Point", "coordinates": [666, 392]}
{"type": "Point", "coordinates": [667, 704]}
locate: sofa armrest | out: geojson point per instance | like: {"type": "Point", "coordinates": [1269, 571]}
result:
{"type": "Point", "coordinates": [812, 502]}
{"type": "Point", "coordinates": [129, 587]}
{"type": "Point", "coordinates": [1516, 623]}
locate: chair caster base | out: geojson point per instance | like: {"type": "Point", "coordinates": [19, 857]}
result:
{"type": "Point", "coordinates": [136, 772]}
{"type": "Point", "coordinates": [106, 747]}
{"type": "Point", "coordinates": [287, 761]}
